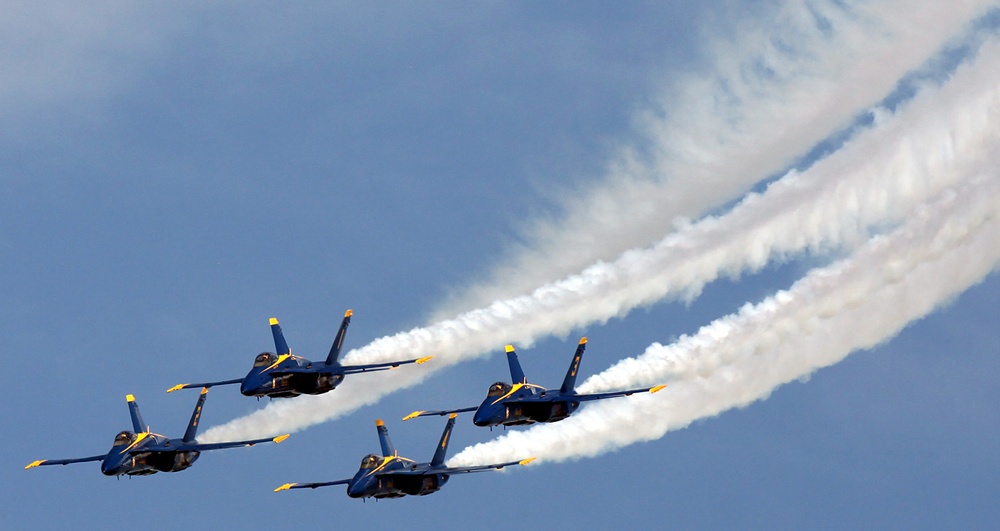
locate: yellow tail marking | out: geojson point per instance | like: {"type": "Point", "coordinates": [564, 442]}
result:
{"type": "Point", "coordinates": [424, 360]}
{"type": "Point", "coordinates": [583, 340]}
{"type": "Point", "coordinates": [378, 422]}
{"type": "Point", "coordinates": [130, 398]}
{"type": "Point", "coordinates": [526, 461]}
{"type": "Point", "coordinates": [453, 415]}
{"type": "Point", "coordinates": [280, 438]}
{"type": "Point", "coordinates": [413, 415]}
{"type": "Point", "coordinates": [175, 388]}
{"type": "Point", "coordinates": [273, 321]}
{"type": "Point", "coordinates": [286, 486]}
{"type": "Point", "coordinates": [33, 464]}
{"type": "Point", "coordinates": [657, 388]}
{"type": "Point", "coordinates": [348, 313]}
{"type": "Point", "coordinates": [204, 390]}
{"type": "Point", "coordinates": [509, 348]}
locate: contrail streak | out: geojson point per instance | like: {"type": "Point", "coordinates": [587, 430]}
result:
{"type": "Point", "coordinates": [789, 79]}
{"type": "Point", "coordinates": [876, 179]}
{"type": "Point", "coordinates": [865, 300]}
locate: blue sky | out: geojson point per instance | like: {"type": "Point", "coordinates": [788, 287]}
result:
{"type": "Point", "coordinates": [176, 176]}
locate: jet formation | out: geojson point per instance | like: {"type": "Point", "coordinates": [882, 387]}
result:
{"type": "Point", "coordinates": [280, 374]}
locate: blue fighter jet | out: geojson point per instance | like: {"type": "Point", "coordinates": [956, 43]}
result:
{"type": "Point", "coordinates": [140, 452]}
{"type": "Point", "coordinates": [280, 374]}
{"type": "Point", "coordinates": [392, 476]}
{"type": "Point", "coordinates": [519, 403]}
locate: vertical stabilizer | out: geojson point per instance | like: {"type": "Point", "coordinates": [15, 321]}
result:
{"type": "Point", "coordinates": [383, 439]}
{"type": "Point", "coordinates": [442, 448]}
{"type": "Point", "coordinates": [339, 340]}
{"type": "Point", "coordinates": [280, 347]}
{"type": "Point", "coordinates": [192, 429]}
{"type": "Point", "coordinates": [570, 381]}
{"type": "Point", "coordinates": [516, 374]}
{"type": "Point", "coordinates": [138, 425]}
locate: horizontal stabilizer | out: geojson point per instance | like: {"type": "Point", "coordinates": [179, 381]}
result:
{"type": "Point", "coordinates": [441, 413]}
{"type": "Point", "coordinates": [354, 369]}
{"type": "Point", "coordinates": [46, 462]}
{"type": "Point", "coordinates": [613, 394]}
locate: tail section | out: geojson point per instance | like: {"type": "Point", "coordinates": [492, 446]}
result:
{"type": "Point", "coordinates": [516, 374]}
{"type": "Point", "coordinates": [192, 429]}
{"type": "Point", "coordinates": [280, 347]}
{"type": "Point", "coordinates": [388, 449]}
{"type": "Point", "coordinates": [339, 340]}
{"type": "Point", "coordinates": [442, 448]}
{"type": "Point", "coordinates": [570, 381]}
{"type": "Point", "coordinates": [138, 425]}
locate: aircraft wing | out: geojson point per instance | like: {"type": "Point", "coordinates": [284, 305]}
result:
{"type": "Point", "coordinates": [599, 396]}
{"type": "Point", "coordinates": [209, 384]}
{"type": "Point", "coordinates": [44, 462]}
{"type": "Point", "coordinates": [354, 369]}
{"type": "Point", "coordinates": [441, 413]}
{"type": "Point", "coordinates": [199, 447]}
{"type": "Point", "coordinates": [287, 486]}
{"type": "Point", "coordinates": [452, 470]}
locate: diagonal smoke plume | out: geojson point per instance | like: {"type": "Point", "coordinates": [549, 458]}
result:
{"type": "Point", "coordinates": [791, 77]}
{"type": "Point", "coordinates": [874, 181]}
{"type": "Point", "coordinates": [944, 248]}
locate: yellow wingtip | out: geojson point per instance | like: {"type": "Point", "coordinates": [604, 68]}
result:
{"type": "Point", "coordinates": [348, 313]}
{"type": "Point", "coordinates": [129, 398]}
{"type": "Point", "coordinates": [273, 321]}
{"type": "Point", "coordinates": [526, 461]}
{"type": "Point", "coordinates": [33, 464]}
{"type": "Point", "coordinates": [177, 387]}
{"type": "Point", "coordinates": [424, 360]}
{"type": "Point", "coordinates": [657, 388]}
{"type": "Point", "coordinates": [583, 340]}
{"type": "Point", "coordinates": [378, 422]}
{"type": "Point", "coordinates": [413, 415]}
{"type": "Point", "coordinates": [280, 438]}
{"type": "Point", "coordinates": [286, 486]}
{"type": "Point", "coordinates": [509, 348]}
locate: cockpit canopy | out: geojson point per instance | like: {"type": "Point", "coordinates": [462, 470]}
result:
{"type": "Point", "coordinates": [498, 389]}
{"type": "Point", "coordinates": [370, 461]}
{"type": "Point", "coordinates": [264, 358]}
{"type": "Point", "coordinates": [125, 437]}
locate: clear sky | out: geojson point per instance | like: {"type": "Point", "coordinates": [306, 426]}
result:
{"type": "Point", "coordinates": [174, 176]}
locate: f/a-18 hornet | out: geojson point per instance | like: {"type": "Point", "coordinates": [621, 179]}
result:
{"type": "Point", "coordinates": [140, 452]}
{"type": "Point", "coordinates": [281, 374]}
{"type": "Point", "coordinates": [392, 476]}
{"type": "Point", "coordinates": [519, 403]}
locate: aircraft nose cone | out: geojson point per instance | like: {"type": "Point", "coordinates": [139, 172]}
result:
{"type": "Point", "coordinates": [357, 489]}
{"type": "Point", "coordinates": [482, 418]}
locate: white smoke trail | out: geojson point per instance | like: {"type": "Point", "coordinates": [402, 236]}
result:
{"type": "Point", "coordinates": [856, 304]}
{"type": "Point", "coordinates": [878, 177]}
{"type": "Point", "coordinates": [788, 79]}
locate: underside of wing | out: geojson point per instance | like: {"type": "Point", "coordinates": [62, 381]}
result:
{"type": "Point", "coordinates": [288, 486]}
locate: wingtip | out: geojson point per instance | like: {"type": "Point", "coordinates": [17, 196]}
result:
{"type": "Point", "coordinates": [348, 313]}
{"type": "Point", "coordinates": [413, 415]}
{"type": "Point", "coordinates": [526, 461]}
{"type": "Point", "coordinates": [273, 321]}
{"type": "Point", "coordinates": [657, 388]}
{"type": "Point", "coordinates": [177, 387]}
{"type": "Point", "coordinates": [280, 438]}
{"type": "Point", "coordinates": [509, 348]}
{"type": "Point", "coordinates": [424, 360]}
{"type": "Point", "coordinates": [33, 464]}
{"type": "Point", "coordinates": [286, 486]}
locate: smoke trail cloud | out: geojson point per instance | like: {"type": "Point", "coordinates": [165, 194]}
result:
{"type": "Point", "coordinates": [946, 247]}
{"type": "Point", "coordinates": [788, 79]}
{"type": "Point", "coordinates": [877, 178]}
